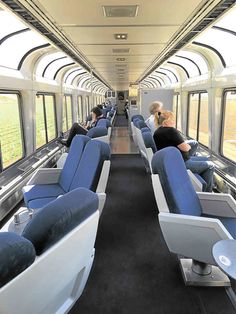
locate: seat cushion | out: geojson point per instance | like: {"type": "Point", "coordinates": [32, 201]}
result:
{"type": "Point", "coordinates": [32, 192]}
{"type": "Point", "coordinates": [40, 202]}
{"type": "Point", "coordinates": [17, 253]}
{"type": "Point", "coordinates": [59, 217]}
{"type": "Point", "coordinates": [229, 223]}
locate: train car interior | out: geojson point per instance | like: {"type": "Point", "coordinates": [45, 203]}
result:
{"type": "Point", "coordinates": [117, 157]}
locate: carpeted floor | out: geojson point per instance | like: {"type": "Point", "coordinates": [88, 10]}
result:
{"type": "Point", "coordinates": [133, 271]}
{"type": "Point", "coordinates": [120, 120]}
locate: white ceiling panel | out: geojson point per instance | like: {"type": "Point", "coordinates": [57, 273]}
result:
{"type": "Point", "coordinates": [148, 32]}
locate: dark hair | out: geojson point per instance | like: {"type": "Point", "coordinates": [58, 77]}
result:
{"type": "Point", "coordinates": [99, 106]}
{"type": "Point", "coordinates": [97, 111]}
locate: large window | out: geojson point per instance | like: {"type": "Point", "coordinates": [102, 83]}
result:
{"type": "Point", "coordinates": [80, 109]}
{"type": "Point", "coordinates": [45, 119]}
{"type": "Point", "coordinates": [66, 113]}
{"type": "Point", "coordinates": [198, 117]}
{"type": "Point", "coordinates": [177, 110]}
{"type": "Point", "coordinates": [228, 147]}
{"type": "Point", "coordinates": [10, 129]}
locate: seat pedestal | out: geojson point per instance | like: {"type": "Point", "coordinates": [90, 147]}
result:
{"type": "Point", "coordinates": [191, 272]}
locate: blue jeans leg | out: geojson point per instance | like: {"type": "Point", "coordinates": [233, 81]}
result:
{"type": "Point", "coordinates": [204, 168]}
{"type": "Point", "coordinates": [194, 146]}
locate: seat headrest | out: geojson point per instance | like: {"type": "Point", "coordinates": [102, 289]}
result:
{"type": "Point", "coordinates": [59, 217]}
{"type": "Point", "coordinates": [139, 116]}
{"type": "Point", "coordinates": [97, 132]}
{"type": "Point", "coordinates": [149, 141]}
{"type": "Point", "coordinates": [105, 148]}
{"type": "Point", "coordinates": [17, 253]}
{"type": "Point", "coordinates": [179, 192]}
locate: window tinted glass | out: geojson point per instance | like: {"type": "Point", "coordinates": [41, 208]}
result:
{"type": "Point", "coordinates": [50, 117]}
{"type": "Point", "coordinates": [10, 129]}
{"type": "Point", "coordinates": [193, 115]}
{"type": "Point", "coordinates": [203, 136]}
{"type": "Point", "coordinates": [229, 131]}
{"type": "Point", "coordinates": [40, 123]}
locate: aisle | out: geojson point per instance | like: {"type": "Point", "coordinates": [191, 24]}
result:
{"type": "Point", "coordinates": [133, 271]}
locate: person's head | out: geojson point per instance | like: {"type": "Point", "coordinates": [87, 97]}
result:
{"type": "Point", "coordinates": [96, 112]}
{"type": "Point", "coordinates": [167, 118]}
{"type": "Point", "coordinates": [100, 106]}
{"type": "Point", "coordinates": [156, 106]}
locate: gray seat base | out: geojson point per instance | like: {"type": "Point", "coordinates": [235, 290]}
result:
{"type": "Point", "coordinates": [215, 279]}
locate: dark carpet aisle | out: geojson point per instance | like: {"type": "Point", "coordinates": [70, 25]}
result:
{"type": "Point", "coordinates": [133, 271]}
{"type": "Point", "coordinates": [120, 121]}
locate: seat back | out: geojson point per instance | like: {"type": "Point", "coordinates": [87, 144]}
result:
{"type": "Point", "coordinates": [90, 166]}
{"type": "Point", "coordinates": [71, 256]}
{"type": "Point", "coordinates": [149, 141]}
{"type": "Point", "coordinates": [72, 161]}
{"type": "Point", "coordinates": [137, 116]}
{"type": "Point", "coordinates": [98, 131]}
{"type": "Point", "coordinates": [103, 123]}
{"type": "Point", "coordinates": [177, 187]}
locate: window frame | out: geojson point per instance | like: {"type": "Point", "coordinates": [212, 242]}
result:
{"type": "Point", "coordinates": [223, 107]}
{"type": "Point", "coordinates": [64, 97]}
{"type": "Point", "coordinates": [22, 133]}
{"type": "Point", "coordinates": [199, 92]}
{"type": "Point", "coordinates": [45, 118]}
{"type": "Point", "coordinates": [80, 107]}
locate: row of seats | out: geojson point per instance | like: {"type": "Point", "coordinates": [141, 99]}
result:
{"type": "Point", "coordinates": [192, 221]}
{"type": "Point", "coordinates": [45, 269]}
{"type": "Point", "coordinates": [60, 237]}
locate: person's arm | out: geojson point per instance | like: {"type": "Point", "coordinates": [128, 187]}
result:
{"type": "Point", "coordinates": [184, 147]}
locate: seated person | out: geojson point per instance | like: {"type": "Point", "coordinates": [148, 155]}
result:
{"type": "Point", "coordinates": [152, 120]}
{"type": "Point", "coordinates": [76, 128]}
{"type": "Point", "coordinates": [167, 135]}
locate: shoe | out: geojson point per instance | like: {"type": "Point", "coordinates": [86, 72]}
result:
{"type": "Point", "coordinates": [63, 141]}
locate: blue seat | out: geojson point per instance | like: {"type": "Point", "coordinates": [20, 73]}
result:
{"type": "Point", "coordinates": [149, 141]}
{"type": "Point", "coordinates": [32, 192]}
{"type": "Point", "coordinates": [137, 116]}
{"type": "Point", "coordinates": [104, 123]}
{"type": "Point", "coordinates": [86, 174]}
{"type": "Point", "coordinates": [62, 234]}
{"type": "Point", "coordinates": [98, 131]}
{"type": "Point", "coordinates": [196, 221]}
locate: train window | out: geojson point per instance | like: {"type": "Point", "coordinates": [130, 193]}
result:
{"type": "Point", "coordinates": [10, 56]}
{"type": "Point", "coordinates": [203, 136]}
{"type": "Point", "coordinates": [45, 61]}
{"type": "Point", "coordinates": [66, 113]}
{"type": "Point", "coordinates": [11, 132]}
{"type": "Point", "coordinates": [196, 59]}
{"type": "Point", "coordinates": [53, 66]}
{"type": "Point", "coordinates": [193, 115]}
{"type": "Point", "coordinates": [228, 148]}
{"type": "Point", "coordinates": [198, 117]}
{"type": "Point", "coordinates": [80, 108]}
{"type": "Point", "coordinates": [187, 64]}
{"type": "Point", "coordinates": [45, 119]}
{"type": "Point", "coordinates": [177, 111]}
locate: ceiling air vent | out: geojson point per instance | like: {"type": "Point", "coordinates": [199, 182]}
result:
{"type": "Point", "coordinates": [120, 10]}
{"type": "Point", "coordinates": [120, 50]}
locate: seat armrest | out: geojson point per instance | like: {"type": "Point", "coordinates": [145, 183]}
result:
{"type": "Point", "coordinates": [159, 194]}
{"type": "Point", "coordinates": [195, 182]}
{"type": "Point", "coordinates": [102, 183]}
{"type": "Point", "coordinates": [222, 205]}
{"type": "Point", "coordinates": [101, 202]}
{"type": "Point", "coordinates": [45, 176]}
{"type": "Point", "coordinates": [192, 236]}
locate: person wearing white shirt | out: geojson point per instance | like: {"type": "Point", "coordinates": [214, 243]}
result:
{"type": "Point", "coordinates": [154, 108]}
